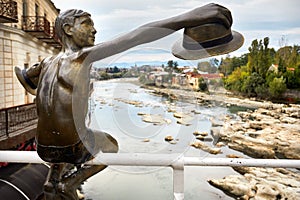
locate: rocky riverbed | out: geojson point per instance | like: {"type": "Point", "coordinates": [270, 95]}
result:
{"type": "Point", "coordinates": [267, 130]}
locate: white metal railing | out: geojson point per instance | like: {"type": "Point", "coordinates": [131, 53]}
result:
{"type": "Point", "coordinates": [175, 161]}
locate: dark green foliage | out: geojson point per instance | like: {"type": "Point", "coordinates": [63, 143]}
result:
{"type": "Point", "coordinates": [292, 80]}
{"type": "Point", "coordinates": [202, 84]}
{"type": "Point", "coordinates": [259, 57]}
{"type": "Point", "coordinates": [172, 66]}
{"type": "Point", "coordinates": [228, 65]}
{"type": "Point", "coordinates": [252, 82]}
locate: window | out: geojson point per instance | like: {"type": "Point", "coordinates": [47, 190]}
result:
{"type": "Point", "coordinates": [36, 10]}
{"type": "Point", "coordinates": [25, 8]}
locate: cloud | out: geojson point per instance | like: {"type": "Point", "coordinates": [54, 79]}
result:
{"type": "Point", "coordinates": [255, 19]}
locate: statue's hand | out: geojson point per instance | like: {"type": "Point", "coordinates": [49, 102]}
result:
{"type": "Point", "coordinates": [210, 13]}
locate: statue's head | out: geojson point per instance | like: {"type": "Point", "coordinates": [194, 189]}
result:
{"type": "Point", "coordinates": [65, 25]}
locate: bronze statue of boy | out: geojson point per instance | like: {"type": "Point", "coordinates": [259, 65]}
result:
{"type": "Point", "coordinates": [61, 85]}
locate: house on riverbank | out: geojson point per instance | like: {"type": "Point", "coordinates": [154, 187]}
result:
{"type": "Point", "coordinates": [184, 80]}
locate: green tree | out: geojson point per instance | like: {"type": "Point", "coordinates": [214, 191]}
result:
{"type": "Point", "coordinates": [170, 63]}
{"type": "Point", "coordinates": [115, 70]}
{"type": "Point", "coordinates": [172, 66]}
{"type": "Point", "coordinates": [225, 66]}
{"type": "Point", "coordinates": [228, 65]}
{"type": "Point", "coordinates": [262, 91]}
{"type": "Point", "coordinates": [202, 84]}
{"type": "Point", "coordinates": [292, 80]}
{"type": "Point", "coordinates": [235, 80]}
{"type": "Point", "coordinates": [281, 66]}
{"type": "Point", "coordinates": [252, 82]}
{"type": "Point", "coordinates": [288, 61]}
{"type": "Point", "coordinates": [260, 57]}
{"type": "Point", "coordinates": [175, 66]}
{"type": "Point", "coordinates": [239, 61]}
{"type": "Point", "coordinates": [288, 56]}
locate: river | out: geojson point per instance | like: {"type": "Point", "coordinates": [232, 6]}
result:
{"type": "Point", "coordinates": [115, 108]}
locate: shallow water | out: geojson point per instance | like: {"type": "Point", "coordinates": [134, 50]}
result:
{"type": "Point", "coordinates": [111, 114]}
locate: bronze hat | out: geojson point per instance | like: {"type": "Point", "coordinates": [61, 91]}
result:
{"type": "Point", "coordinates": [26, 83]}
{"type": "Point", "coordinates": [207, 40]}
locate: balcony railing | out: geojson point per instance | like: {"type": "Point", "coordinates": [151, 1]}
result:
{"type": "Point", "coordinates": [8, 11]}
{"type": "Point", "coordinates": [16, 118]}
{"type": "Point", "coordinates": [38, 26]}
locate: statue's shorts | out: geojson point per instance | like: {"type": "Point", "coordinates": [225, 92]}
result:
{"type": "Point", "coordinates": [80, 152]}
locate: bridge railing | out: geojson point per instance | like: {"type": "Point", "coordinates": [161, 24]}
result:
{"type": "Point", "coordinates": [176, 161]}
{"type": "Point", "coordinates": [16, 118]}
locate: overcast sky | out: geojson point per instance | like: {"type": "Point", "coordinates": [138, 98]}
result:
{"type": "Point", "coordinates": [255, 19]}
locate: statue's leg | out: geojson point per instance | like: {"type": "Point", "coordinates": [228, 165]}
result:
{"type": "Point", "coordinates": [98, 141]}
{"type": "Point", "coordinates": [53, 179]}
{"type": "Point", "coordinates": [83, 173]}
{"type": "Point", "coordinates": [62, 184]}
{"type": "Point", "coordinates": [56, 188]}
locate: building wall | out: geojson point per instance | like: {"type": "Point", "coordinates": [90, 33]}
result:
{"type": "Point", "coordinates": [18, 48]}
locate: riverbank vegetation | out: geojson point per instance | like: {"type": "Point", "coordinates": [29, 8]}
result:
{"type": "Point", "coordinates": [114, 72]}
{"type": "Point", "coordinates": [263, 72]}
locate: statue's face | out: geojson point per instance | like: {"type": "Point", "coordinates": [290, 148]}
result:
{"type": "Point", "coordinates": [83, 31]}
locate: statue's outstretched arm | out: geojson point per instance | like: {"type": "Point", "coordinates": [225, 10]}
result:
{"type": "Point", "coordinates": [210, 13]}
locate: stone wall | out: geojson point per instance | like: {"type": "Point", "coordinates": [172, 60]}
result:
{"type": "Point", "coordinates": [17, 48]}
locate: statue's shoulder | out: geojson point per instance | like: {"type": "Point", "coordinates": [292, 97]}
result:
{"type": "Point", "coordinates": [46, 63]}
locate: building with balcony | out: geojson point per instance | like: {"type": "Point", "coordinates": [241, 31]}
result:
{"type": "Point", "coordinates": [27, 36]}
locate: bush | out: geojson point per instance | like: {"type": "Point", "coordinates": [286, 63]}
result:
{"type": "Point", "coordinates": [262, 91]}
{"type": "Point", "coordinates": [251, 83]}
{"type": "Point", "coordinates": [202, 85]}
{"type": "Point", "coordinates": [277, 87]}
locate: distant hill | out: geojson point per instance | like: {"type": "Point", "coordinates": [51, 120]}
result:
{"type": "Point", "coordinates": [141, 63]}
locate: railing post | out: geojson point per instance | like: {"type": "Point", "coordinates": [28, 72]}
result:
{"type": "Point", "coordinates": [6, 122]}
{"type": "Point", "coordinates": [178, 179]}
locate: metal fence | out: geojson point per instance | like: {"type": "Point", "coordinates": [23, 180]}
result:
{"type": "Point", "coordinates": [36, 24]}
{"type": "Point", "coordinates": [176, 161]}
{"type": "Point", "coordinates": [16, 118]}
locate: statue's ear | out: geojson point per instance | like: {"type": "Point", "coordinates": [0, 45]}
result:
{"type": "Point", "coordinates": [68, 29]}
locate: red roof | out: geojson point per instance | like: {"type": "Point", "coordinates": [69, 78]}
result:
{"type": "Point", "coordinates": [211, 76]}
{"type": "Point", "coordinates": [193, 74]}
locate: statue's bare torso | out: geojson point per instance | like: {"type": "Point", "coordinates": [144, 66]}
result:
{"type": "Point", "coordinates": [56, 125]}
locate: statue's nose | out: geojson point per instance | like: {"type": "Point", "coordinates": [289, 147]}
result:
{"type": "Point", "coordinates": [94, 31]}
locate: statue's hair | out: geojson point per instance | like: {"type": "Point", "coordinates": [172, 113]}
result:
{"type": "Point", "coordinates": [67, 17]}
